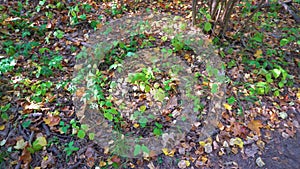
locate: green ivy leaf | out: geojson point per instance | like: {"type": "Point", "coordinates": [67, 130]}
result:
{"type": "Point", "coordinates": [137, 150]}
{"type": "Point", "coordinates": [276, 73]}
{"type": "Point", "coordinates": [143, 121]}
{"type": "Point", "coordinates": [26, 123]}
{"type": "Point", "coordinates": [84, 127]}
{"type": "Point", "coordinates": [214, 88]}
{"type": "Point", "coordinates": [81, 134]}
{"type": "Point", "coordinates": [157, 131]}
{"type": "Point", "coordinates": [145, 149]}
{"type": "Point", "coordinates": [231, 100]}
{"type": "Point", "coordinates": [108, 116]}
{"type": "Point", "coordinates": [284, 42]}
{"type": "Point", "coordinates": [258, 37]}
{"type": "Point", "coordinates": [91, 136]}
{"type": "Point", "coordinates": [281, 84]}
{"type": "Point", "coordinates": [207, 26]}
{"type": "Point", "coordinates": [269, 78]}
{"type": "Point", "coordinates": [39, 143]}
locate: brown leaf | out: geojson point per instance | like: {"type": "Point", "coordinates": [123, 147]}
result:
{"type": "Point", "coordinates": [91, 162]}
{"type": "Point", "coordinates": [52, 120]}
{"type": "Point", "coordinates": [26, 156]}
{"type": "Point", "coordinates": [48, 161]}
{"type": "Point", "coordinates": [255, 125]}
{"type": "Point", "coordinates": [89, 152]}
{"type": "Point", "coordinates": [239, 130]}
{"type": "Point", "coordinates": [236, 129]}
{"type": "Point", "coordinates": [115, 159]}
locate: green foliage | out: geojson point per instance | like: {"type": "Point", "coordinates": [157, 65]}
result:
{"type": "Point", "coordinates": [115, 10]}
{"type": "Point", "coordinates": [3, 111]}
{"type": "Point", "coordinates": [140, 149]}
{"type": "Point", "coordinates": [157, 131]}
{"type": "Point", "coordinates": [70, 149]}
{"type": "Point", "coordinates": [231, 100]}
{"type": "Point", "coordinates": [38, 144]}
{"type": "Point", "coordinates": [91, 136]}
{"type": "Point", "coordinates": [273, 74]}
{"type": "Point", "coordinates": [39, 6]}
{"type": "Point", "coordinates": [258, 37]}
{"type": "Point", "coordinates": [207, 26]}
{"type": "Point", "coordinates": [143, 121]}
{"type": "Point", "coordinates": [73, 14]}
{"type": "Point", "coordinates": [26, 123]}
{"type": "Point", "coordinates": [7, 65]}
{"type": "Point", "coordinates": [81, 134]}
{"type": "Point", "coordinates": [40, 89]}
{"type": "Point", "coordinates": [177, 43]}
{"type": "Point", "coordinates": [63, 127]}
{"type": "Point", "coordinates": [59, 34]}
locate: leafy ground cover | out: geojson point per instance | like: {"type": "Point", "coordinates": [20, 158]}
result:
{"type": "Point", "coordinates": [39, 127]}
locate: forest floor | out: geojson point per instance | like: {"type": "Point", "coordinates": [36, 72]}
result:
{"type": "Point", "coordinates": [39, 128]}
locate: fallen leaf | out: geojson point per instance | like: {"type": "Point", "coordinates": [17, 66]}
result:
{"type": "Point", "coordinates": [182, 164]}
{"type": "Point", "coordinates": [48, 161]}
{"type": "Point", "coordinates": [89, 152]}
{"type": "Point", "coordinates": [255, 125]}
{"type": "Point", "coordinates": [236, 141]}
{"type": "Point", "coordinates": [90, 161]}
{"type": "Point", "coordinates": [258, 53]}
{"type": "Point", "coordinates": [20, 144]}
{"type": "Point", "coordinates": [260, 144]}
{"type": "Point", "coordinates": [168, 153]}
{"type": "Point", "coordinates": [116, 159]}
{"type": "Point", "coordinates": [259, 162]}
{"type": "Point", "coordinates": [208, 148]}
{"type": "Point", "coordinates": [151, 165]}
{"type": "Point", "coordinates": [41, 141]}
{"type": "Point", "coordinates": [236, 129]}
{"type": "Point", "coordinates": [250, 152]}
{"type": "Point", "coordinates": [52, 120]}
{"type": "Point", "coordinates": [26, 156]}
{"type": "Point", "coordinates": [2, 127]}
{"type": "Point", "coordinates": [28, 108]}
{"type": "Point", "coordinates": [102, 163]}
{"type": "Point", "coordinates": [298, 95]}
{"type": "Point", "coordinates": [227, 106]}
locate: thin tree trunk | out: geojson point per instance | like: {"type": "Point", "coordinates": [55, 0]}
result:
{"type": "Point", "coordinates": [194, 10]}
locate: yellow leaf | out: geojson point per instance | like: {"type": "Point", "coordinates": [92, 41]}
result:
{"type": "Point", "coordinates": [204, 159]}
{"type": "Point", "coordinates": [136, 125]}
{"type": "Point", "coordinates": [227, 106]}
{"type": "Point", "coordinates": [42, 141]}
{"type": "Point", "coordinates": [187, 162]}
{"type": "Point", "coordinates": [205, 83]}
{"type": "Point", "coordinates": [167, 153]}
{"type": "Point", "coordinates": [2, 127]}
{"type": "Point", "coordinates": [102, 163]}
{"type": "Point", "coordinates": [237, 141]}
{"type": "Point", "coordinates": [202, 143]}
{"type": "Point", "coordinates": [298, 94]}
{"type": "Point", "coordinates": [258, 53]}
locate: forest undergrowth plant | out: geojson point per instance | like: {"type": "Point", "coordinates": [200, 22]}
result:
{"type": "Point", "coordinates": [140, 75]}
